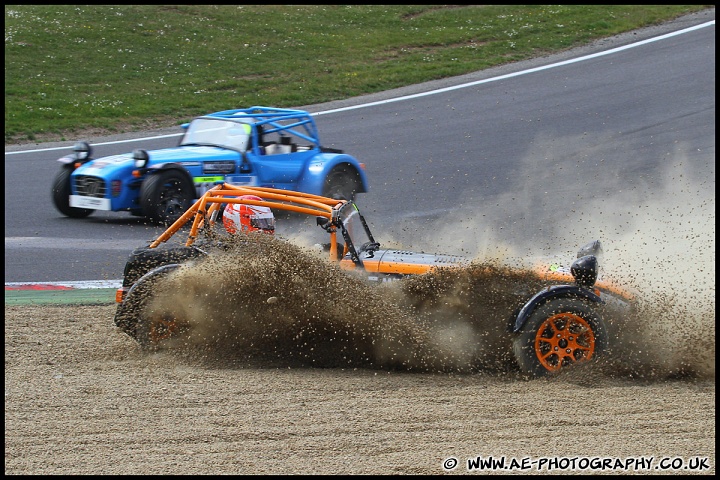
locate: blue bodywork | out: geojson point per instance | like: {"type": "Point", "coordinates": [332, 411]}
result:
{"type": "Point", "coordinates": [257, 146]}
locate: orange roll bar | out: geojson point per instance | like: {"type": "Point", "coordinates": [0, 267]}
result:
{"type": "Point", "coordinates": [274, 198]}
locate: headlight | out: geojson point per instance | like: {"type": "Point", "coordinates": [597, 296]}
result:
{"type": "Point", "coordinates": [82, 151]}
{"type": "Point", "coordinates": [141, 158]}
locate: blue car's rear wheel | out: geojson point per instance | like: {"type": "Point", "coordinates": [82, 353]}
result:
{"type": "Point", "coordinates": [343, 182]}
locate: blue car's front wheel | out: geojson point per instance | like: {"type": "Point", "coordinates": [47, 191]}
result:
{"type": "Point", "coordinates": [166, 195]}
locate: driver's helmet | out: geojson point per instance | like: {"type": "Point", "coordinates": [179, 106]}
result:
{"type": "Point", "coordinates": [248, 218]}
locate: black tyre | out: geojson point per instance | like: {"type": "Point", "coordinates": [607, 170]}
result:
{"type": "Point", "coordinates": [61, 191]}
{"type": "Point", "coordinates": [559, 334]}
{"type": "Point", "coordinates": [149, 327]}
{"type": "Point", "coordinates": [144, 259]}
{"type": "Point", "coordinates": [343, 182]}
{"type": "Point", "coordinates": [166, 195]}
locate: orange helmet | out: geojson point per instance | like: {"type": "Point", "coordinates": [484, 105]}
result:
{"type": "Point", "coordinates": [238, 217]}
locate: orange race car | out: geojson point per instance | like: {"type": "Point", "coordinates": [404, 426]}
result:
{"type": "Point", "coordinates": [556, 327]}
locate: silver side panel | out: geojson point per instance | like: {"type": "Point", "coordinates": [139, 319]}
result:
{"type": "Point", "coordinates": [435, 260]}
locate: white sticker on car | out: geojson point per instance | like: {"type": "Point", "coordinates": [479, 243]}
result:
{"type": "Point", "coordinates": [92, 203]}
{"type": "Point", "coordinates": [242, 180]}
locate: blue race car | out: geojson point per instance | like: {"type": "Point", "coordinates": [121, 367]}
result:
{"type": "Point", "coordinates": [257, 146]}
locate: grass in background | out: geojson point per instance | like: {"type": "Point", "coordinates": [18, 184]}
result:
{"type": "Point", "coordinates": [72, 69]}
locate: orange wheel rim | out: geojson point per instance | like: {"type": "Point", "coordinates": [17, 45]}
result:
{"type": "Point", "coordinates": [162, 328]}
{"type": "Point", "coordinates": [562, 340]}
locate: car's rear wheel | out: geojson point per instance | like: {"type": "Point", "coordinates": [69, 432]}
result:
{"type": "Point", "coordinates": [343, 182]}
{"type": "Point", "coordinates": [165, 196]}
{"type": "Point", "coordinates": [153, 327]}
{"type": "Point", "coordinates": [559, 334]}
{"type": "Point", "coordinates": [61, 191]}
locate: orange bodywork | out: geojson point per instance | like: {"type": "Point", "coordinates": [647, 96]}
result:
{"type": "Point", "coordinates": [394, 262]}
{"type": "Point", "coordinates": [401, 268]}
{"type": "Point", "coordinates": [376, 266]}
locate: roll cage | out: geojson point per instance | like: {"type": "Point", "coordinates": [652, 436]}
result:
{"type": "Point", "coordinates": [267, 121]}
{"type": "Point", "coordinates": [332, 215]}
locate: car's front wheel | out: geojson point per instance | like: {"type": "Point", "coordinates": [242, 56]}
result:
{"type": "Point", "coordinates": [559, 334]}
{"type": "Point", "coordinates": [165, 196]}
{"type": "Point", "coordinates": [61, 190]}
{"type": "Point", "coordinates": [343, 182]}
